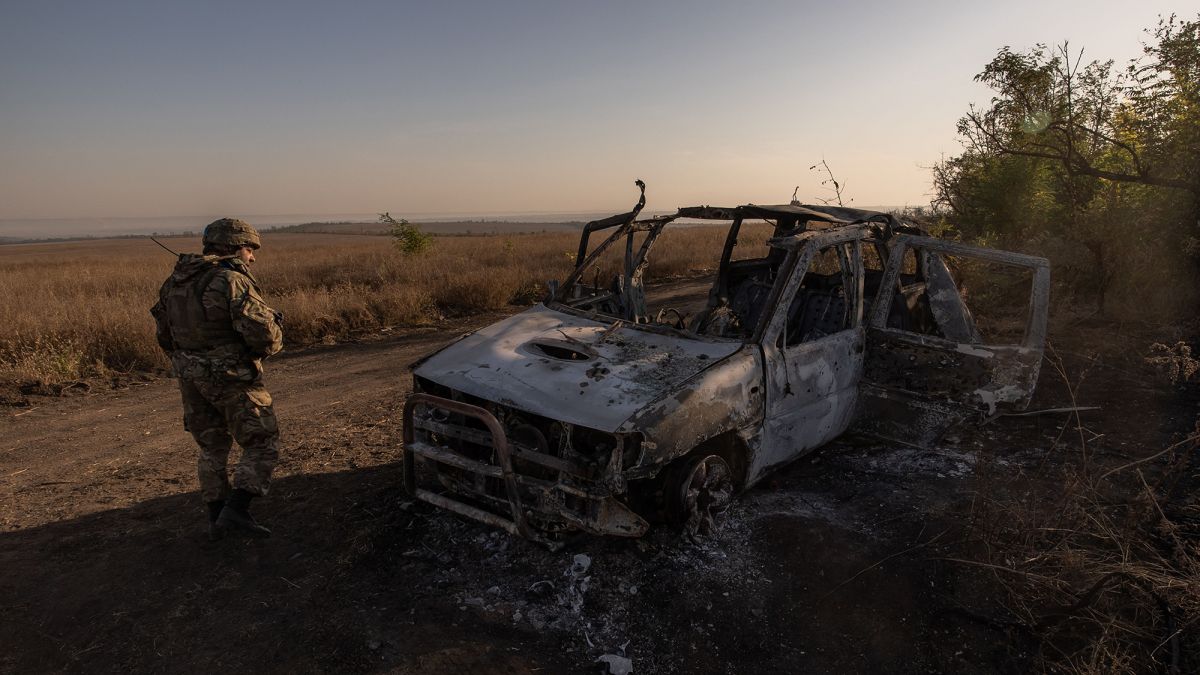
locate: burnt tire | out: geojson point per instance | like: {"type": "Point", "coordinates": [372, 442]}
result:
{"type": "Point", "coordinates": [699, 494]}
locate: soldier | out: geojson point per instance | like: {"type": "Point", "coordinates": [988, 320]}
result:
{"type": "Point", "coordinates": [213, 324]}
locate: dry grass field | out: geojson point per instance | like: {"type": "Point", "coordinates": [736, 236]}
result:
{"type": "Point", "coordinates": [449, 227]}
{"type": "Point", "coordinates": [73, 310]}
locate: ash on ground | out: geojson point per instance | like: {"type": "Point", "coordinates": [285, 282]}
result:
{"type": "Point", "coordinates": [626, 599]}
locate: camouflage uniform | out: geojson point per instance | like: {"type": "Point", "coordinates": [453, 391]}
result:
{"type": "Point", "coordinates": [216, 328]}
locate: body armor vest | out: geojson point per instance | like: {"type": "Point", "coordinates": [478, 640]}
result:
{"type": "Point", "coordinates": [195, 328]}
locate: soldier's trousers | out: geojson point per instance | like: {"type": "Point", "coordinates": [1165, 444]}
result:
{"type": "Point", "coordinates": [217, 413]}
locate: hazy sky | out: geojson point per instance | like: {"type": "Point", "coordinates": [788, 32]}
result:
{"type": "Point", "coordinates": [167, 108]}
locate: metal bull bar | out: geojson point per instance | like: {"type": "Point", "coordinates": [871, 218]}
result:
{"type": "Point", "coordinates": [503, 470]}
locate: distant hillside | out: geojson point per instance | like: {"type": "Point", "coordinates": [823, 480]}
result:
{"type": "Point", "coordinates": [101, 237]}
{"type": "Point", "coordinates": [329, 228]}
{"type": "Point", "coordinates": [458, 227]}
{"type": "Point", "coordinates": [448, 229]}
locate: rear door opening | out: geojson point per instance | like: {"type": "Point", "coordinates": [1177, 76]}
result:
{"type": "Point", "coordinates": [930, 362]}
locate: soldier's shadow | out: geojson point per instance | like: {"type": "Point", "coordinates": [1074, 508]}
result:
{"type": "Point", "coordinates": [142, 588]}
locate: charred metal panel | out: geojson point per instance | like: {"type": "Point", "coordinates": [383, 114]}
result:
{"type": "Point", "coordinates": [979, 376]}
{"type": "Point", "coordinates": [812, 388]}
{"type": "Point", "coordinates": [949, 311]}
{"type": "Point", "coordinates": [708, 212]}
{"type": "Point", "coordinates": [723, 398]}
{"type": "Point", "coordinates": [898, 416]}
{"type": "Point", "coordinates": [602, 376]}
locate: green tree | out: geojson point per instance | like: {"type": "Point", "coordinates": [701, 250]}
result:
{"type": "Point", "coordinates": [407, 236]}
{"type": "Point", "coordinates": [1098, 168]}
{"type": "Point", "coordinates": [1137, 126]}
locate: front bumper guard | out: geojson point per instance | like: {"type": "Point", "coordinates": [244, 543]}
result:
{"type": "Point", "coordinates": [602, 514]}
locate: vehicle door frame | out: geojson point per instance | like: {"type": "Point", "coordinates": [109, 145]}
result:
{"type": "Point", "coordinates": [958, 378]}
{"type": "Point", "coordinates": [803, 413]}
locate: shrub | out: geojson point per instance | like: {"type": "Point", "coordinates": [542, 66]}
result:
{"type": "Point", "coordinates": [408, 237]}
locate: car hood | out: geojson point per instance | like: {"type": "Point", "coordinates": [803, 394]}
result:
{"type": "Point", "coordinates": [571, 368]}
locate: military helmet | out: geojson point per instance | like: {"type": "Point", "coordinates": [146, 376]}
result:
{"type": "Point", "coordinates": [231, 232]}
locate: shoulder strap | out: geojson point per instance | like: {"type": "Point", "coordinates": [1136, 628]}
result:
{"type": "Point", "coordinates": [201, 284]}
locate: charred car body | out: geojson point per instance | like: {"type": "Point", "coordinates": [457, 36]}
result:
{"type": "Point", "coordinates": [589, 412]}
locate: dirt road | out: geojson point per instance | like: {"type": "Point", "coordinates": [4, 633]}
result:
{"type": "Point", "coordinates": [836, 565]}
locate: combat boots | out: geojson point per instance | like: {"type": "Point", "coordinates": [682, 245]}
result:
{"type": "Point", "coordinates": [235, 516]}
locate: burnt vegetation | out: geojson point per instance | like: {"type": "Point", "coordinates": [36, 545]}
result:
{"type": "Point", "coordinates": [1092, 551]}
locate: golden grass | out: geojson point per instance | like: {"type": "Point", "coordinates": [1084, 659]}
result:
{"type": "Point", "coordinates": [73, 310]}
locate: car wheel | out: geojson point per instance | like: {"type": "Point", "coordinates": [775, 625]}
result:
{"type": "Point", "coordinates": [701, 494]}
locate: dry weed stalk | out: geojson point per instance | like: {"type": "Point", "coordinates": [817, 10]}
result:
{"type": "Point", "coordinates": [1099, 569]}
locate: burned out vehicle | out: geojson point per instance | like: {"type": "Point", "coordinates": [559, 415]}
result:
{"type": "Point", "coordinates": [615, 403]}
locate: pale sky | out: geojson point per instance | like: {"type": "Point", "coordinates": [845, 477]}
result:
{"type": "Point", "coordinates": [167, 108]}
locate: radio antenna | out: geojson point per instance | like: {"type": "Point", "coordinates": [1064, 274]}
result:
{"type": "Point", "coordinates": [164, 247]}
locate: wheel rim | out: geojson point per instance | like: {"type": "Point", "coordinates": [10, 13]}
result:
{"type": "Point", "coordinates": [705, 494]}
